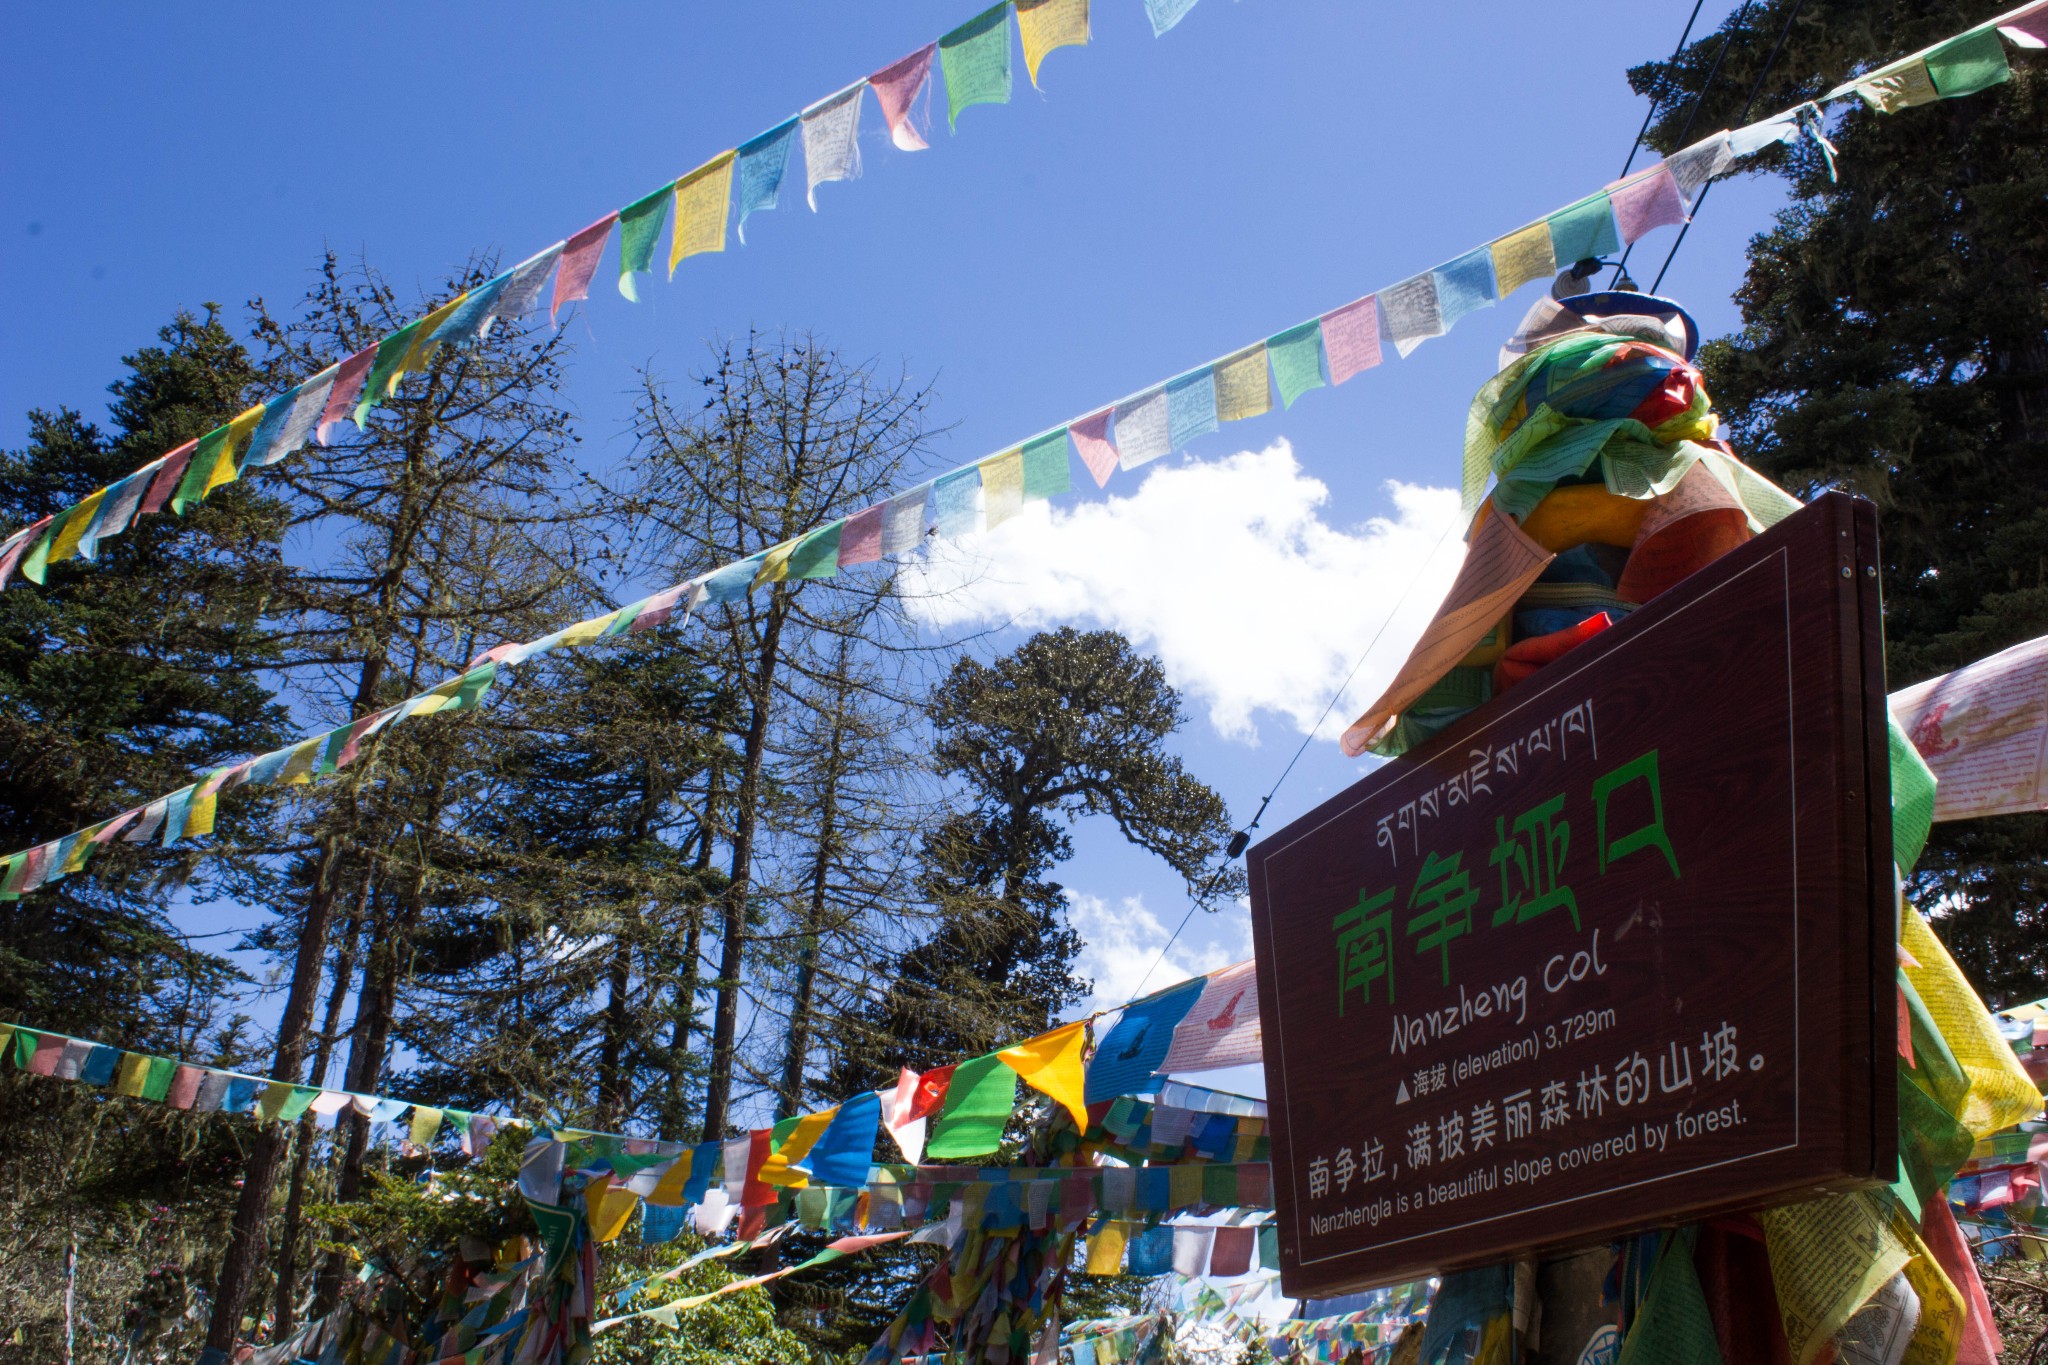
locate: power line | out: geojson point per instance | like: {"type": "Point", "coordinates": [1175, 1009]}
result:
{"type": "Point", "coordinates": [1651, 113]}
{"type": "Point", "coordinates": [1240, 840]}
{"type": "Point", "coordinates": [1755, 88]}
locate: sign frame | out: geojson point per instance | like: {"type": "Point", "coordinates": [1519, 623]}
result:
{"type": "Point", "coordinates": [1810, 583]}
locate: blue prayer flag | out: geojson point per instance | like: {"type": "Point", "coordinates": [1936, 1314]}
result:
{"type": "Point", "coordinates": [1465, 285]}
{"type": "Point", "coordinates": [1190, 407]}
{"type": "Point", "coordinates": [953, 501]}
{"type": "Point", "coordinates": [757, 172]}
{"type": "Point", "coordinates": [1134, 1049]}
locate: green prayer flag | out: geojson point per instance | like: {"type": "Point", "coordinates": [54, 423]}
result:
{"type": "Point", "coordinates": [25, 1040]}
{"type": "Point", "coordinates": [1219, 1184]}
{"type": "Point", "coordinates": [157, 1083]}
{"type": "Point", "coordinates": [1673, 1326]}
{"type": "Point", "coordinates": [979, 1100]}
{"type": "Point", "coordinates": [817, 554]}
{"type": "Point", "coordinates": [1912, 799]}
{"type": "Point", "coordinates": [192, 488]}
{"type": "Point", "coordinates": [557, 1232]}
{"type": "Point", "coordinates": [639, 224]}
{"type": "Point", "coordinates": [1269, 1247]}
{"type": "Point", "coordinates": [38, 558]}
{"type": "Point", "coordinates": [1973, 62]}
{"type": "Point", "coordinates": [384, 371]}
{"type": "Point", "coordinates": [976, 60]}
{"type": "Point", "coordinates": [1047, 473]}
{"type": "Point", "coordinates": [1932, 1147]}
{"type": "Point", "coordinates": [1297, 358]}
{"type": "Point", "coordinates": [1583, 231]}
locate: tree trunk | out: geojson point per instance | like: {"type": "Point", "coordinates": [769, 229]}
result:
{"type": "Point", "coordinates": [733, 918]}
{"type": "Point", "coordinates": [796, 1049]}
{"type": "Point", "coordinates": [684, 1020]}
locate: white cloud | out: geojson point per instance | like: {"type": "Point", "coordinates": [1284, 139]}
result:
{"type": "Point", "coordinates": [1227, 571]}
{"type": "Point", "coordinates": [1120, 942]}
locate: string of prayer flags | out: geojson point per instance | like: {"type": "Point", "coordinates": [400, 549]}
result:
{"type": "Point", "coordinates": [1047, 24]}
{"type": "Point", "coordinates": [976, 60]}
{"type": "Point", "coordinates": [980, 1097]}
{"type": "Point", "coordinates": [898, 87]}
{"type": "Point", "coordinates": [832, 140]}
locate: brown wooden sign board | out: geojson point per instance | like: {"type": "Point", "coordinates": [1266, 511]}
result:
{"type": "Point", "coordinates": [1615, 949]}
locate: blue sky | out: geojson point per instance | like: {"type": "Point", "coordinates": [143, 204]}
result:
{"type": "Point", "coordinates": [1157, 204]}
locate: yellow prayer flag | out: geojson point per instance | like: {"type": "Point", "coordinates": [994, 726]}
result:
{"type": "Point", "coordinates": [1523, 256]}
{"type": "Point", "coordinates": [272, 1103]}
{"type": "Point", "coordinates": [1051, 1065]}
{"type": "Point", "coordinates": [73, 529]}
{"type": "Point", "coordinates": [1047, 24]}
{"type": "Point", "coordinates": [298, 769]}
{"type": "Point", "coordinates": [1898, 89]}
{"type": "Point", "coordinates": [778, 1169]}
{"type": "Point", "coordinates": [1184, 1185]}
{"type": "Point", "coordinates": [199, 815]}
{"type": "Point", "coordinates": [425, 1123]}
{"type": "Point", "coordinates": [132, 1075]}
{"type": "Point", "coordinates": [668, 1191]}
{"type": "Point", "coordinates": [226, 463]}
{"type": "Point", "coordinates": [1002, 485]}
{"type": "Point", "coordinates": [1942, 1314]}
{"type": "Point", "coordinates": [774, 565]}
{"type": "Point", "coordinates": [421, 352]}
{"type": "Point", "coordinates": [701, 200]}
{"type": "Point", "coordinates": [2000, 1093]}
{"type": "Point", "coordinates": [1828, 1256]}
{"type": "Point", "coordinates": [583, 632]}
{"type": "Point", "coordinates": [1241, 388]}
{"type": "Point", "coordinates": [1106, 1249]}
{"type": "Point", "coordinates": [609, 1206]}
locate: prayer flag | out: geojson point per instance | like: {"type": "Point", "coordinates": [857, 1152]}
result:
{"type": "Point", "coordinates": [1143, 433]}
{"type": "Point", "coordinates": [1412, 313]}
{"type": "Point", "coordinates": [1151, 1251]}
{"type": "Point", "coordinates": [797, 1137]}
{"type": "Point", "coordinates": [1965, 65]}
{"type": "Point", "coordinates": [733, 581]}
{"type": "Point", "coordinates": [1900, 87]}
{"type": "Point", "coordinates": [522, 291]}
{"type": "Point", "coordinates": [900, 1116]}
{"type": "Point", "coordinates": [639, 224]}
{"type": "Point", "coordinates": [18, 544]}
{"type": "Point", "coordinates": [1106, 1248]}
{"type": "Point", "coordinates": [579, 264]}
{"type": "Point", "coordinates": [1092, 444]}
{"type": "Point", "coordinates": [903, 522]}
{"type": "Point", "coordinates": [897, 88]}
{"type": "Point", "coordinates": [700, 210]}
{"type": "Point", "coordinates": [1051, 1065]}
{"type": "Point", "coordinates": [1232, 1254]}
{"type": "Point", "coordinates": [1297, 358]}
{"type": "Point", "coordinates": [1646, 201]}
{"type": "Point", "coordinates": [72, 1059]}
{"type": "Point", "coordinates": [1002, 482]}
{"type": "Point", "coordinates": [1047, 24]}
{"type": "Point", "coordinates": [98, 1066]}
{"type": "Point", "coordinates": [1046, 472]}
{"type": "Point", "coordinates": [65, 542]}
{"type": "Point", "coordinates": [861, 541]}
{"type": "Point", "coordinates": [976, 59]}
{"type": "Point", "coordinates": [1191, 1250]}
{"type": "Point", "coordinates": [341, 401]}
{"type": "Point", "coordinates": [184, 1089]}
{"type": "Point", "coordinates": [817, 554]}
{"type": "Point", "coordinates": [1583, 231]}
{"type": "Point", "coordinates": [774, 565]}
{"type": "Point", "coordinates": [1222, 1029]}
{"type": "Point", "coordinates": [133, 1073]}
{"type": "Point", "coordinates": [758, 168]}
{"type": "Point", "coordinates": [386, 368]}
{"type": "Point", "coordinates": [2028, 28]}
{"type": "Point", "coordinates": [287, 422]}
{"type": "Point", "coordinates": [1692, 167]}
{"type": "Point", "coordinates": [953, 502]}
{"type": "Point", "coordinates": [1464, 286]}
{"type": "Point", "coordinates": [1351, 338]}
{"type": "Point", "coordinates": [979, 1100]}
{"type": "Point", "coordinates": [44, 1050]}
{"type": "Point", "coordinates": [1164, 14]}
{"type": "Point", "coordinates": [832, 140]}
{"type": "Point", "coordinates": [844, 1152]}
{"type": "Point", "coordinates": [1521, 257]}
{"type": "Point", "coordinates": [473, 314]}
{"type": "Point", "coordinates": [426, 1122]}
{"type": "Point", "coordinates": [1133, 1050]}
{"type": "Point", "coordinates": [170, 471]}
{"type": "Point", "coordinates": [1190, 406]}
{"type": "Point", "coordinates": [1241, 388]}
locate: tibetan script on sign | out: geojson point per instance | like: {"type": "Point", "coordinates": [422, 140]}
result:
{"type": "Point", "coordinates": [1614, 949]}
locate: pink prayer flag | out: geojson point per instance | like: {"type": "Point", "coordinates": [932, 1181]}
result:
{"type": "Point", "coordinates": [167, 477]}
{"type": "Point", "coordinates": [116, 825]}
{"type": "Point", "coordinates": [1647, 201]}
{"type": "Point", "coordinates": [579, 263]}
{"type": "Point", "coordinates": [2031, 22]}
{"type": "Point", "coordinates": [657, 609]}
{"type": "Point", "coordinates": [49, 1051]}
{"type": "Point", "coordinates": [1351, 338]}
{"type": "Point", "coordinates": [896, 90]}
{"type": "Point", "coordinates": [341, 399]}
{"type": "Point", "coordinates": [19, 546]}
{"type": "Point", "coordinates": [184, 1087]}
{"type": "Point", "coordinates": [860, 540]}
{"type": "Point", "coordinates": [1091, 440]}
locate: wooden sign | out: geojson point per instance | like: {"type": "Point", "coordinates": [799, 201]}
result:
{"type": "Point", "coordinates": [1614, 949]}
